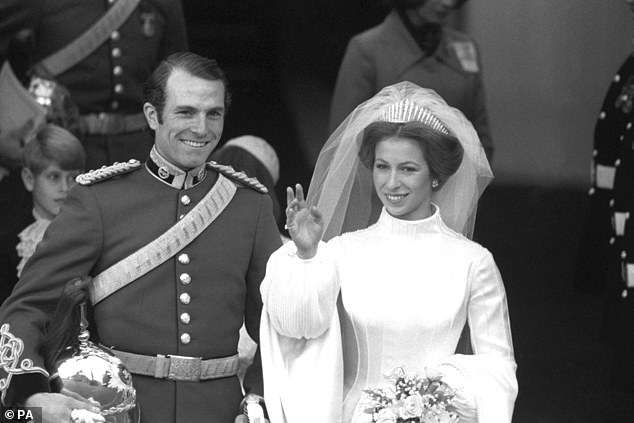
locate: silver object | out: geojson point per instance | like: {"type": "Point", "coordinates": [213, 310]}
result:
{"type": "Point", "coordinates": [93, 372]}
{"type": "Point", "coordinates": [252, 409]}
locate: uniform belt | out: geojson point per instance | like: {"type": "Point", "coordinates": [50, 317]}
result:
{"type": "Point", "coordinates": [177, 367]}
{"type": "Point", "coordinates": [111, 123]}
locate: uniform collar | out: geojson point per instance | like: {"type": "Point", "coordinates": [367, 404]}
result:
{"type": "Point", "coordinates": [166, 172]}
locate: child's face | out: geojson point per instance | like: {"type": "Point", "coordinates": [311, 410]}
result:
{"type": "Point", "coordinates": [50, 188]}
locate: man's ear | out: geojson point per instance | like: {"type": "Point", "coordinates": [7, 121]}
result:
{"type": "Point", "coordinates": [28, 179]}
{"type": "Point", "coordinates": [151, 115]}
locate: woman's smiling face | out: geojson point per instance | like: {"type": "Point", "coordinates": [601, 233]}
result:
{"type": "Point", "coordinates": [402, 179]}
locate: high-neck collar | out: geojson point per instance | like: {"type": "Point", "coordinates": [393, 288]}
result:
{"type": "Point", "coordinates": [172, 175]}
{"type": "Point", "coordinates": [410, 227]}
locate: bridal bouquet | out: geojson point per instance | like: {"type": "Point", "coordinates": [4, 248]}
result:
{"type": "Point", "coordinates": [411, 399]}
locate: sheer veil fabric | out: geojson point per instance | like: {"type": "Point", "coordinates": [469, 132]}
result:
{"type": "Point", "coordinates": [342, 187]}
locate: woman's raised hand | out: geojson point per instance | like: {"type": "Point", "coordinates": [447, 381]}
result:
{"type": "Point", "coordinates": [305, 224]}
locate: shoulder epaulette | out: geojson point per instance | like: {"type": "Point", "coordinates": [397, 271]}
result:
{"type": "Point", "coordinates": [106, 172]}
{"type": "Point", "coordinates": [238, 176]}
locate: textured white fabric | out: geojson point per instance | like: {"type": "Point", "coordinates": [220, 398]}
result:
{"type": "Point", "coordinates": [407, 289]}
{"type": "Point", "coordinates": [30, 237]}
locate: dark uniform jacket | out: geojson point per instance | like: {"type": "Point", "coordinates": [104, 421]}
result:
{"type": "Point", "coordinates": [103, 223]}
{"type": "Point", "coordinates": [110, 79]}
{"type": "Point", "coordinates": [388, 53]}
{"type": "Point", "coordinates": [606, 255]}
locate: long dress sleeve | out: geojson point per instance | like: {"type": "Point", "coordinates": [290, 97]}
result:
{"type": "Point", "coordinates": [300, 337]}
{"type": "Point", "coordinates": [488, 376]}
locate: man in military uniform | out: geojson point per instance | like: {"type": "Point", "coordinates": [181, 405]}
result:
{"type": "Point", "coordinates": [106, 85]}
{"type": "Point", "coordinates": [177, 249]}
{"type": "Point", "coordinates": [606, 254]}
{"type": "Point", "coordinates": [413, 44]}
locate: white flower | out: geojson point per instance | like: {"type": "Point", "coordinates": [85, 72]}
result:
{"type": "Point", "coordinates": [412, 406]}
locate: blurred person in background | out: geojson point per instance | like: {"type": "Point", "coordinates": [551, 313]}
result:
{"type": "Point", "coordinates": [414, 44]}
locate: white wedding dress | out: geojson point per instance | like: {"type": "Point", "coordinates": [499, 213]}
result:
{"type": "Point", "coordinates": [407, 289]}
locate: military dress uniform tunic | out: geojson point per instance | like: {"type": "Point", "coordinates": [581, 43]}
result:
{"type": "Point", "coordinates": [606, 255]}
{"type": "Point", "coordinates": [107, 84]}
{"type": "Point", "coordinates": [388, 53]}
{"type": "Point", "coordinates": [191, 305]}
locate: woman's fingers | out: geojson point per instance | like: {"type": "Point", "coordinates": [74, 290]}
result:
{"type": "Point", "coordinates": [290, 196]}
{"type": "Point", "coordinates": [299, 193]}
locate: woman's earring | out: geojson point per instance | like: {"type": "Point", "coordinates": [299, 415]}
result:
{"type": "Point", "coordinates": [435, 183]}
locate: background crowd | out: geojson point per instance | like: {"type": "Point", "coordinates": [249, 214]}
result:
{"type": "Point", "coordinates": [532, 84]}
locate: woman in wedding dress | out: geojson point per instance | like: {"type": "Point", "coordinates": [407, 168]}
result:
{"type": "Point", "coordinates": [342, 311]}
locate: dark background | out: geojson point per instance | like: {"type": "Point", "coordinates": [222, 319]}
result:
{"type": "Point", "coordinates": [282, 58]}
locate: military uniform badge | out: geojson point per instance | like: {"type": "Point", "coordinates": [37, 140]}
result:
{"type": "Point", "coordinates": [467, 55]}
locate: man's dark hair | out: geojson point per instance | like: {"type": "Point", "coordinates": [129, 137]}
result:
{"type": "Point", "coordinates": [198, 66]}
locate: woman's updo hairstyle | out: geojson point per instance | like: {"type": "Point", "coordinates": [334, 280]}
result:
{"type": "Point", "coordinates": [442, 152]}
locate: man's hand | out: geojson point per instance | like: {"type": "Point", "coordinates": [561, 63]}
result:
{"type": "Point", "coordinates": [60, 408]}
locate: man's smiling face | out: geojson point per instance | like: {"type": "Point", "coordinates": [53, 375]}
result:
{"type": "Point", "coordinates": [192, 120]}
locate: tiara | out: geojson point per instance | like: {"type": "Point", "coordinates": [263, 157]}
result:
{"type": "Point", "coordinates": [406, 111]}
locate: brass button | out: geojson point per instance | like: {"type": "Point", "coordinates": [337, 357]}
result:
{"type": "Point", "coordinates": [185, 278]}
{"type": "Point", "coordinates": [602, 115]}
{"type": "Point", "coordinates": [612, 240]}
{"type": "Point", "coordinates": [181, 216]}
{"type": "Point", "coordinates": [185, 318]}
{"type": "Point", "coordinates": [185, 298]}
{"type": "Point", "coordinates": [183, 259]}
{"type": "Point", "coordinates": [115, 35]}
{"type": "Point", "coordinates": [185, 200]}
{"type": "Point", "coordinates": [117, 70]}
{"type": "Point", "coordinates": [114, 105]}
{"type": "Point", "coordinates": [116, 52]}
{"type": "Point", "coordinates": [118, 88]}
{"type": "Point", "coordinates": [186, 339]}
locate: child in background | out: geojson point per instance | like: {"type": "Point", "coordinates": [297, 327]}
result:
{"type": "Point", "coordinates": [51, 161]}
